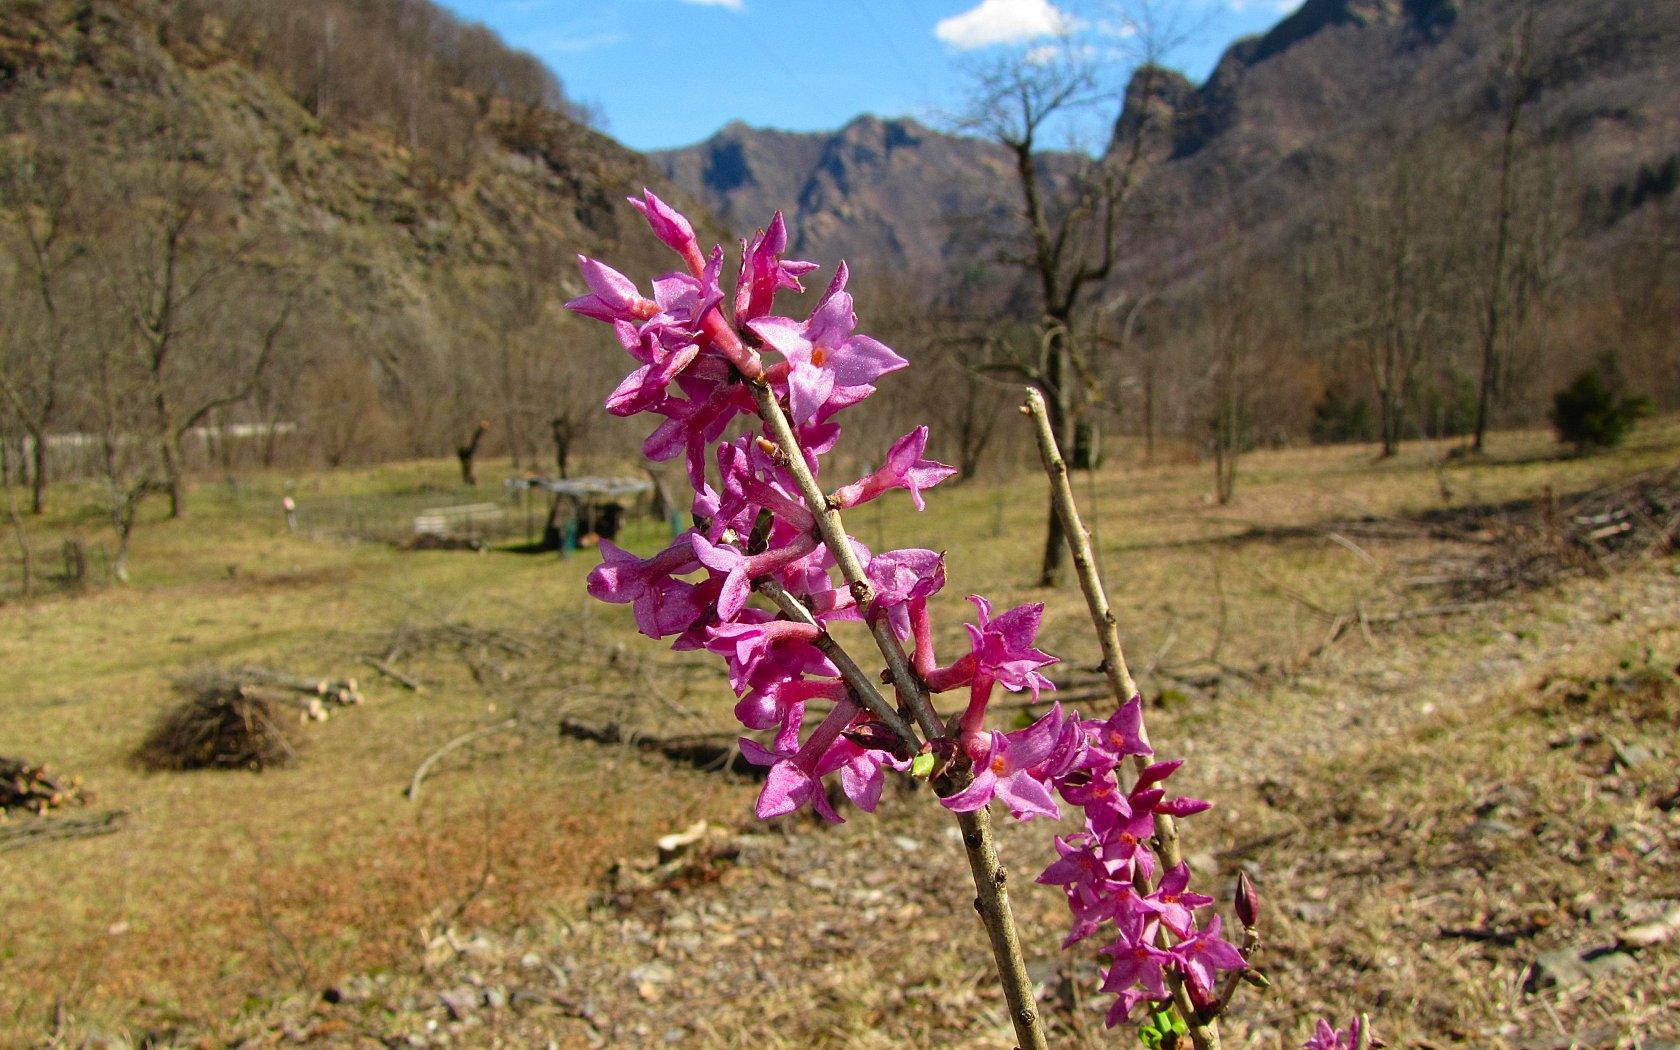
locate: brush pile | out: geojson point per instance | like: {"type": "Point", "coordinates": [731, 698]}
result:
{"type": "Point", "coordinates": [240, 719]}
{"type": "Point", "coordinates": [219, 728]}
{"type": "Point", "coordinates": [34, 789]}
{"type": "Point", "coordinates": [1534, 543]}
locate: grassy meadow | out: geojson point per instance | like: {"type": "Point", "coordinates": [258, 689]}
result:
{"type": "Point", "coordinates": [226, 895]}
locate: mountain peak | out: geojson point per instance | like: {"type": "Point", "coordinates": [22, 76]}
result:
{"type": "Point", "coordinates": [1315, 16]}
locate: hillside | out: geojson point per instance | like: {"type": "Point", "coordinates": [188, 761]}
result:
{"type": "Point", "coordinates": [429, 230]}
{"type": "Point", "coordinates": [1342, 87]}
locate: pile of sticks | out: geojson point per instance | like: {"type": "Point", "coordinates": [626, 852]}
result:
{"type": "Point", "coordinates": [34, 789]}
{"type": "Point", "coordinates": [1540, 542]}
{"type": "Point", "coordinates": [312, 699]}
{"type": "Point", "coordinates": [237, 718]}
{"type": "Point", "coordinates": [218, 727]}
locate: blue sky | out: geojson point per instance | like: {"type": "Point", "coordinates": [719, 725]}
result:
{"type": "Point", "coordinates": [670, 72]}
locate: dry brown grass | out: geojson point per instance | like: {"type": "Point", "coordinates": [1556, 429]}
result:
{"type": "Point", "coordinates": [228, 897]}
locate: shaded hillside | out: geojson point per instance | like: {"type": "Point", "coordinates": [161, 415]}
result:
{"type": "Point", "coordinates": [431, 230]}
{"type": "Point", "coordinates": [1338, 87]}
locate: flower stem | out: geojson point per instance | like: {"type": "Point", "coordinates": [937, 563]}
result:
{"type": "Point", "coordinates": [991, 896]}
{"type": "Point", "coordinates": [992, 901]}
{"type": "Point", "coordinates": [855, 677]}
{"type": "Point", "coordinates": [1203, 1033]}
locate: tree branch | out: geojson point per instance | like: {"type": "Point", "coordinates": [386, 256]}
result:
{"type": "Point", "coordinates": [991, 894]}
{"type": "Point", "coordinates": [1204, 1034]}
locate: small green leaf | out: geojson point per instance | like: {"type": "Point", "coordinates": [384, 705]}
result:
{"type": "Point", "coordinates": [921, 767]}
{"type": "Point", "coordinates": [1163, 1028]}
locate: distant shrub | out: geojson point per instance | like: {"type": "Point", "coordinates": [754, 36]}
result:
{"type": "Point", "coordinates": [1342, 416]}
{"type": "Point", "coordinates": [1589, 413]}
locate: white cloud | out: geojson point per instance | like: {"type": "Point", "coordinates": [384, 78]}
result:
{"type": "Point", "coordinates": [728, 5]}
{"type": "Point", "coordinates": [1004, 22]}
{"type": "Point", "coordinates": [1048, 54]}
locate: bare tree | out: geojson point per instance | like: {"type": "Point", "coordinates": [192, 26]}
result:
{"type": "Point", "coordinates": [127, 463]}
{"type": "Point", "coordinates": [467, 452]}
{"type": "Point", "coordinates": [37, 212]}
{"type": "Point", "coordinates": [1071, 218]}
{"type": "Point", "coordinates": [1395, 252]}
{"type": "Point", "coordinates": [191, 296]}
{"type": "Point", "coordinates": [1234, 335]}
{"type": "Point", "coordinates": [1520, 86]}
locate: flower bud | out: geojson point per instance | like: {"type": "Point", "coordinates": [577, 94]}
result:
{"type": "Point", "coordinates": [872, 735]}
{"type": "Point", "coordinates": [1247, 902]}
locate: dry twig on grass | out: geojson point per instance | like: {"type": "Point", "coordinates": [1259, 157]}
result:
{"type": "Point", "coordinates": [413, 790]}
{"type": "Point", "coordinates": [19, 834]}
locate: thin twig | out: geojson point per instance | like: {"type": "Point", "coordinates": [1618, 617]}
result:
{"type": "Point", "coordinates": [1203, 1033]}
{"type": "Point", "coordinates": [855, 677]}
{"type": "Point", "coordinates": [384, 667]}
{"type": "Point", "coordinates": [833, 532]}
{"type": "Point", "coordinates": [463, 740]}
{"type": "Point", "coordinates": [1355, 549]}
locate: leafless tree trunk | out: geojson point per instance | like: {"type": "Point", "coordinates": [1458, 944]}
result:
{"type": "Point", "coordinates": [186, 358]}
{"type": "Point", "coordinates": [1520, 89]}
{"type": "Point", "coordinates": [26, 561]}
{"type": "Point", "coordinates": [35, 190]}
{"type": "Point", "coordinates": [566, 433]}
{"type": "Point", "coordinates": [468, 453]}
{"type": "Point", "coordinates": [1071, 234]}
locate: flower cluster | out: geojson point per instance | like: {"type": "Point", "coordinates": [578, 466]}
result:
{"type": "Point", "coordinates": [1326, 1036]}
{"type": "Point", "coordinates": [1109, 871]}
{"type": "Point", "coordinates": [700, 356]}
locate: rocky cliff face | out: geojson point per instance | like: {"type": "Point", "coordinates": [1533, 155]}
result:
{"type": "Point", "coordinates": [885, 194]}
{"type": "Point", "coordinates": [1335, 88]}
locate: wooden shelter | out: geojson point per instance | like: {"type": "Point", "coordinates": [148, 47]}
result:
{"type": "Point", "coordinates": [580, 508]}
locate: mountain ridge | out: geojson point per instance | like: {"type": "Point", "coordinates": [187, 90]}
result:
{"type": "Point", "coordinates": [1328, 88]}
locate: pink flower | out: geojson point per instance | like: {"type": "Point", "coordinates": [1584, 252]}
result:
{"type": "Point", "coordinates": [861, 776]}
{"type": "Point", "coordinates": [789, 784]}
{"type": "Point", "coordinates": [1203, 954]}
{"type": "Point", "coordinates": [739, 570]}
{"type": "Point", "coordinates": [904, 469]}
{"type": "Point", "coordinates": [796, 776]}
{"type": "Point", "coordinates": [646, 387]}
{"type": "Point", "coordinates": [767, 706]}
{"type": "Point", "coordinates": [1138, 970]}
{"type": "Point", "coordinates": [764, 273]}
{"type": "Point", "coordinates": [748, 643]}
{"type": "Point", "coordinates": [1005, 772]}
{"type": "Point", "coordinates": [612, 296]}
{"type": "Point", "coordinates": [691, 425]}
{"type": "Point", "coordinates": [1121, 734]}
{"type": "Point", "coordinates": [669, 226]}
{"type": "Point", "coordinates": [822, 353]}
{"type": "Point", "coordinates": [1003, 649]}
{"type": "Point", "coordinates": [1326, 1037]}
{"type": "Point", "coordinates": [900, 577]}
{"type": "Point", "coordinates": [1174, 901]}
{"type": "Point", "coordinates": [663, 605]}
